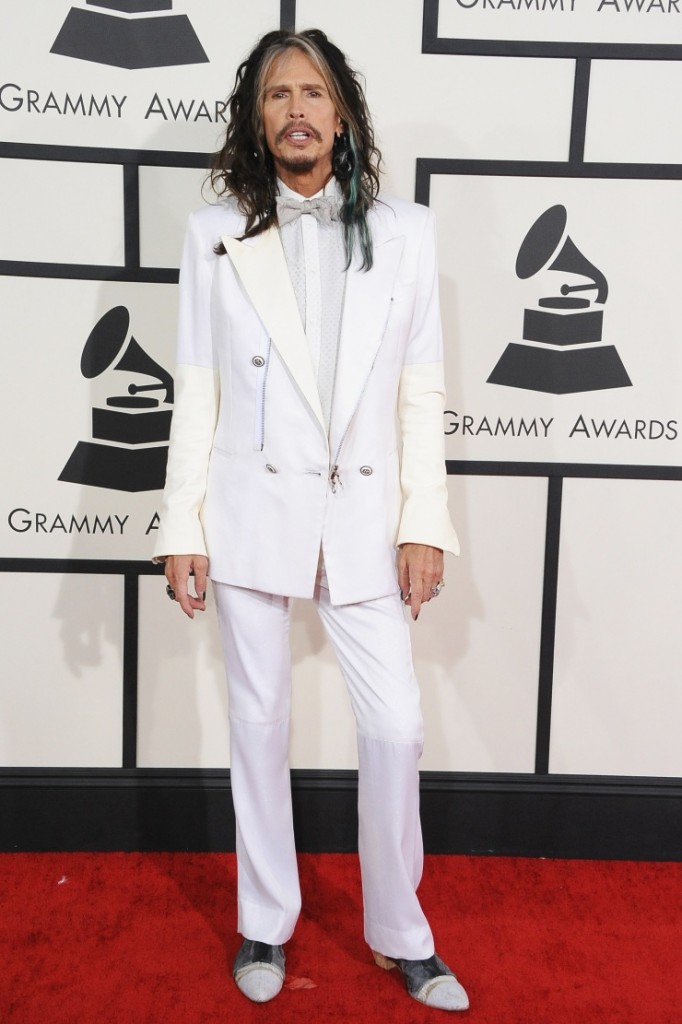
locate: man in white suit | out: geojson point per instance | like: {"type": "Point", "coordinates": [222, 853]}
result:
{"type": "Point", "coordinates": [306, 457]}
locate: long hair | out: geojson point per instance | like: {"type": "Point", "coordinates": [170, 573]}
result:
{"type": "Point", "coordinates": [244, 167]}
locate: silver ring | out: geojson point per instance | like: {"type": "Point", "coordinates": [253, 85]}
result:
{"type": "Point", "coordinates": [435, 591]}
{"type": "Point", "coordinates": [170, 592]}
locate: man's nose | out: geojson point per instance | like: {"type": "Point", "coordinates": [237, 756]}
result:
{"type": "Point", "coordinates": [296, 107]}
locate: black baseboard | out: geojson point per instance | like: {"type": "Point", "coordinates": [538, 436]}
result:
{"type": "Point", "coordinates": [512, 815]}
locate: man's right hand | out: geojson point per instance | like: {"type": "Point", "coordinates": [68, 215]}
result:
{"type": "Point", "coordinates": [178, 569]}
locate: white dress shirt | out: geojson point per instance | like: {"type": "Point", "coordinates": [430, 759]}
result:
{"type": "Point", "coordinates": [316, 258]}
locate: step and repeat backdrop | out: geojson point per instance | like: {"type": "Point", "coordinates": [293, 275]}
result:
{"type": "Point", "coordinates": [545, 136]}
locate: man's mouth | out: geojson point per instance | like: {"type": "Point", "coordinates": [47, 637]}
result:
{"type": "Point", "coordinates": [299, 134]}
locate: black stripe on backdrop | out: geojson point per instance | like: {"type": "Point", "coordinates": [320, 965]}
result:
{"type": "Point", "coordinates": [581, 95]}
{"type": "Point", "coordinates": [131, 572]}
{"type": "Point", "coordinates": [131, 215]}
{"type": "Point", "coordinates": [287, 15]}
{"type": "Point", "coordinates": [130, 161]}
{"type": "Point", "coordinates": [131, 616]}
{"type": "Point", "coordinates": [102, 155]}
{"type": "Point", "coordinates": [583, 470]}
{"type": "Point", "coordinates": [87, 566]}
{"type": "Point", "coordinates": [89, 272]}
{"type": "Point", "coordinates": [433, 43]}
{"type": "Point", "coordinates": [550, 588]}
{"type": "Point", "coordinates": [427, 167]}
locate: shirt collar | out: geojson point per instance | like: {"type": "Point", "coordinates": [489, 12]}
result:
{"type": "Point", "coordinates": [330, 189]}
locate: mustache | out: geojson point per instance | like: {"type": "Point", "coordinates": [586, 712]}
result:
{"type": "Point", "coordinates": [297, 127]}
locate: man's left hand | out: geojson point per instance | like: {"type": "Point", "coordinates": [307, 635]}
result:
{"type": "Point", "coordinates": [420, 569]}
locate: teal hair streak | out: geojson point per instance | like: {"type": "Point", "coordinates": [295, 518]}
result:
{"type": "Point", "coordinates": [354, 213]}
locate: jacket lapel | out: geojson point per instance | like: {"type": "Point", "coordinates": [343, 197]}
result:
{"type": "Point", "coordinates": [262, 269]}
{"type": "Point", "coordinates": [365, 315]}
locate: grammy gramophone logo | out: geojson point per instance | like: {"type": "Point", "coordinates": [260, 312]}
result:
{"type": "Point", "coordinates": [127, 452]}
{"type": "Point", "coordinates": [562, 351]}
{"type": "Point", "coordinates": [126, 40]}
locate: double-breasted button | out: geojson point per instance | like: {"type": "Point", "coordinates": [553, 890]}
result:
{"type": "Point", "coordinates": [270, 469]}
{"type": "Point", "coordinates": [258, 361]}
{"type": "Point", "coordinates": [366, 470]}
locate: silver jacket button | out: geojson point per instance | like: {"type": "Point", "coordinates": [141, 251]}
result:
{"type": "Point", "coordinates": [366, 470]}
{"type": "Point", "coordinates": [270, 469]}
{"type": "Point", "coordinates": [258, 361]}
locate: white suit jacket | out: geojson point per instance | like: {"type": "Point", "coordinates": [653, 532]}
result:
{"type": "Point", "coordinates": [253, 481]}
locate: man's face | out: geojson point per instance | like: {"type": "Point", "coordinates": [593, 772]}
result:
{"type": "Point", "coordinates": [299, 120]}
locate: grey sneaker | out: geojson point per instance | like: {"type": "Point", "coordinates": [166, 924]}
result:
{"type": "Point", "coordinates": [258, 970]}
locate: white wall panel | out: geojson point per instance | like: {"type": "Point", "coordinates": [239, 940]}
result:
{"type": "Point", "coordinates": [475, 652]}
{"type": "Point", "coordinates": [435, 105]}
{"type": "Point", "coordinates": [61, 684]}
{"type": "Point", "coordinates": [146, 107]}
{"type": "Point", "coordinates": [482, 221]}
{"type": "Point", "coordinates": [53, 212]}
{"type": "Point", "coordinates": [563, 21]}
{"type": "Point", "coordinates": [476, 647]}
{"type": "Point", "coordinates": [617, 694]}
{"type": "Point", "coordinates": [48, 409]}
{"type": "Point", "coordinates": [182, 698]}
{"type": "Point", "coordinates": [183, 705]}
{"type": "Point", "coordinates": [167, 197]}
{"type": "Point", "coordinates": [634, 111]}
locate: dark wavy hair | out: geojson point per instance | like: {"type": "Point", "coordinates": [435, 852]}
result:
{"type": "Point", "coordinates": [244, 167]}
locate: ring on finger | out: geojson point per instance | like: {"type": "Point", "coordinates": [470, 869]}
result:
{"type": "Point", "coordinates": [170, 592]}
{"type": "Point", "coordinates": [435, 591]}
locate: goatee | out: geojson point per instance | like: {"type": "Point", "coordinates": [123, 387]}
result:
{"type": "Point", "coordinates": [302, 165]}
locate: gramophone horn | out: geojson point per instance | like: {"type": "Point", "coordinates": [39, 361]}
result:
{"type": "Point", "coordinates": [571, 260]}
{"type": "Point", "coordinates": [541, 242]}
{"type": "Point", "coordinates": [105, 342]}
{"type": "Point", "coordinates": [136, 360]}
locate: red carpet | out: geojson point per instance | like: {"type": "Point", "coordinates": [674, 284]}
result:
{"type": "Point", "coordinates": [147, 939]}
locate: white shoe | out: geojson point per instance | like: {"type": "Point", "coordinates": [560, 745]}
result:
{"type": "Point", "coordinates": [258, 970]}
{"type": "Point", "coordinates": [429, 981]}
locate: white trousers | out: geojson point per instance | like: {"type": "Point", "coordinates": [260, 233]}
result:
{"type": "Point", "coordinates": [372, 643]}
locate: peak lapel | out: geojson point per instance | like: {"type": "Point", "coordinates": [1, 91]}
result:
{"type": "Point", "coordinates": [365, 315]}
{"type": "Point", "coordinates": [262, 269]}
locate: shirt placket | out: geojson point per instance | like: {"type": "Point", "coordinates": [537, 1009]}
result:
{"type": "Point", "coordinates": [313, 288]}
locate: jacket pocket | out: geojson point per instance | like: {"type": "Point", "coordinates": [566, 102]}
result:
{"type": "Point", "coordinates": [262, 365]}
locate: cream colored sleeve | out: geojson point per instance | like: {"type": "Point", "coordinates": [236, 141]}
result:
{"type": "Point", "coordinates": [425, 518]}
{"type": "Point", "coordinates": [193, 426]}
